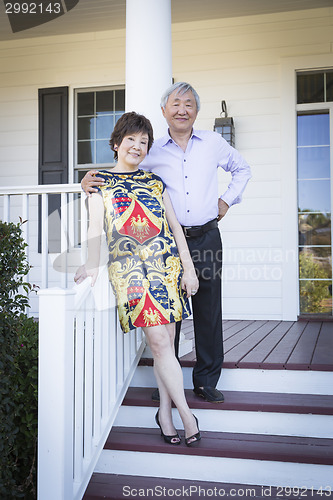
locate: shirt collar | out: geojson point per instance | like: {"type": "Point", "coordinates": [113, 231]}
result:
{"type": "Point", "coordinates": [166, 139]}
{"type": "Point", "coordinates": [197, 134]}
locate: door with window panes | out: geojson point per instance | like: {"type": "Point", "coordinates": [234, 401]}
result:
{"type": "Point", "coordinates": [314, 167]}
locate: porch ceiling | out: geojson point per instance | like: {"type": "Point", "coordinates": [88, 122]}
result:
{"type": "Point", "coordinates": [102, 15]}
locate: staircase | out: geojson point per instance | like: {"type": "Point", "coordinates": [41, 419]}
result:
{"type": "Point", "coordinates": [272, 437]}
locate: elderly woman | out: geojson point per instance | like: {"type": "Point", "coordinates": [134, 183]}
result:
{"type": "Point", "coordinates": [150, 267]}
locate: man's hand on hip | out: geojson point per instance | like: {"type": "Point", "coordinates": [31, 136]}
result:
{"type": "Point", "coordinates": [223, 209]}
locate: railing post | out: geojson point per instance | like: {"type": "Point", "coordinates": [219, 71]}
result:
{"type": "Point", "coordinates": [6, 208]}
{"type": "Point", "coordinates": [45, 240]}
{"type": "Point", "coordinates": [56, 394]}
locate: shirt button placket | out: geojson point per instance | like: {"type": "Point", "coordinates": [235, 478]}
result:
{"type": "Point", "coordinates": [186, 186]}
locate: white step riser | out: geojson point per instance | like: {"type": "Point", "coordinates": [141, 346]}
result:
{"type": "Point", "coordinates": [283, 424]}
{"type": "Point", "coordinates": [280, 381]}
{"type": "Point", "coordinates": [216, 469]}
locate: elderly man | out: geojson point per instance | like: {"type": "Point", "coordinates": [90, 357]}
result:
{"type": "Point", "coordinates": [188, 160]}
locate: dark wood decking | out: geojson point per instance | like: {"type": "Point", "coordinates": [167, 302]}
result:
{"type": "Point", "coordinates": [294, 449]}
{"type": "Point", "coordinates": [273, 345]}
{"type": "Point", "coordinates": [116, 487]}
{"type": "Point", "coordinates": [301, 404]}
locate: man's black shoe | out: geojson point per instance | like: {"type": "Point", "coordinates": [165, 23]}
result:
{"type": "Point", "coordinates": [156, 396]}
{"type": "Point", "coordinates": [209, 394]}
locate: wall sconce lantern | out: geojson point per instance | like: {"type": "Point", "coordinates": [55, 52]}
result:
{"type": "Point", "coordinates": [225, 125]}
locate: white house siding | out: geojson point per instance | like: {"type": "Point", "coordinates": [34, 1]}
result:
{"type": "Point", "coordinates": [240, 60]}
{"type": "Point", "coordinates": [84, 60]}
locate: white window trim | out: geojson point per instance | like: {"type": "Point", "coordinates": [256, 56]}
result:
{"type": "Point", "coordinates": [289, 67]}
{"type": "Point", "coordinates": [73, 125]}
{"type": "Point", "coordinates": [323, 106]}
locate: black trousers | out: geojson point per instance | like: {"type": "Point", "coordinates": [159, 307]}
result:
{"type": "Point", "coordinates": [206, 253]}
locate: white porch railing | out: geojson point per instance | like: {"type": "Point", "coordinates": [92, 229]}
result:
{"type": "Point", "coordinates": [64, 229]}
{"type": "Point", "coordinates": [85, 362]}
{"type": "Point", "coordinates": [85, 366]}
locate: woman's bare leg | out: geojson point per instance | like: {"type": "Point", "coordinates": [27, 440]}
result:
{"type": "Point", "coordinates": [165, 413]}
{"type": "Point", "coordinates": [169, 379]}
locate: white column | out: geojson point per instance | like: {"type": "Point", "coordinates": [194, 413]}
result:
{"type": "Point", "coordinates": [149, 67]}
{"type": "Point", "coordinates": [148, 58]}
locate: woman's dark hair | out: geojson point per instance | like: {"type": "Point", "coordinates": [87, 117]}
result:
{"type": "Point", "coordinates": [130, 123]}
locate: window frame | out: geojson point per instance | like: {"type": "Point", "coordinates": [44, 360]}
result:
{"type": "Point", "coordinates": [315, 108]}
{"type": "Point", "coordinates": [324, 72]}
{"type": "Point", "coordinates": [287, 164]}
{"type": "Point", "coordinates": [77, 168]}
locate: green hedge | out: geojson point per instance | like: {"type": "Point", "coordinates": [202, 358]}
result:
{"type": "Point", "coordinates": [18, 370]}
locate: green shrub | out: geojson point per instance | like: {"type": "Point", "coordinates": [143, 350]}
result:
{"type": "Point", "coordinates": [18, 370]}
{"type": "Point", "coordinates": [314, 284]}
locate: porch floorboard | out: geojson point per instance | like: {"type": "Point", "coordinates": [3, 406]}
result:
{"type": "Point", "coordinates": [271, 345]}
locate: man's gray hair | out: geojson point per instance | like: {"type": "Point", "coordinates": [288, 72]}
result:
{"type": "Point", "coordinates": [181, 88]}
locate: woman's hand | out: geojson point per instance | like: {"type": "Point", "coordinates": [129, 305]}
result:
{"type": "Point", "coordinates": [90, 180]}
{"type": "Point", "coordinates": [83, 272]}
{"type": "Point", "coordinates": [190, 282]}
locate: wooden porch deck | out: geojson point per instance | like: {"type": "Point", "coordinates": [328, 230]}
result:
{"type": "Point", "coordinates": [273, 345]}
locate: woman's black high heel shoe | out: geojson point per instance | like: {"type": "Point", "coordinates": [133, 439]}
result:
{"type": "Point", "coordinates": [167, 439]}
{"type": "Point", "coordinates": [195, 438]}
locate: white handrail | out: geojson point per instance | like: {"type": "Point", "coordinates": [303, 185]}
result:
{"type": "Point", "coordinates": [20, 202]}
{"type": "Point", "coordinates": [40, 189]}
{"type": "Point", "coordinates": [82, 382]}
{"type": "Point", "coordinates": [85, 362]}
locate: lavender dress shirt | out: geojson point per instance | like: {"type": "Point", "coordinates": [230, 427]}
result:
{"type": "Point", "coordinates": [191, 176]}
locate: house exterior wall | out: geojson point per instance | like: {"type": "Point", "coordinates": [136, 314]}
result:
{"type": "Point", "coordinates": [247, 62]}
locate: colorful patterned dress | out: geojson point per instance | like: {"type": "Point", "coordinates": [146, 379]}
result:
{"type": "Point", "coordinates": [144, 265]}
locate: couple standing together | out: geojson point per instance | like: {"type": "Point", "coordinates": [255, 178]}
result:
{"type": "Point", "coordinates": [156, 218]}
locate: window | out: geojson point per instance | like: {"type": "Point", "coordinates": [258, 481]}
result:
{"type": "Point", "coordinates": [97, 112]}
{"type": "Point", "coordinates": [314, 153]}
{"type": "Point", "coordinates": [315, 86]}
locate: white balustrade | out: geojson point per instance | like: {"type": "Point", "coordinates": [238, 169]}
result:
{"type": "Point", "coordinates": [85, 362]}
{"type": "Point", "coordinates": [86, 365]}
{"type": "Point", "coordinates": [49, 268]}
